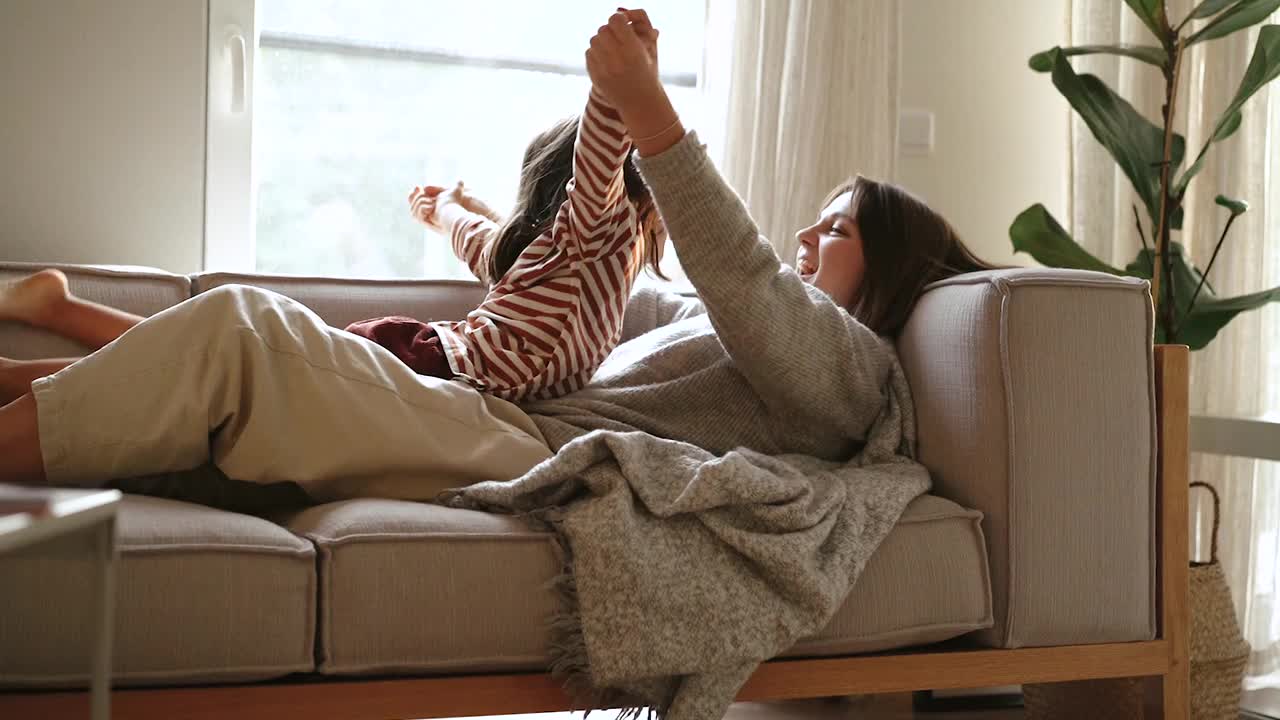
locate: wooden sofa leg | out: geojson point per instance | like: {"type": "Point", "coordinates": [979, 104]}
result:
{"type": "Point", "coordinates": [1176, 699]}
{"type": "Point", "coordinates": [1166, 700]}
{"type": "Point", "coordinates": [1172, 468]}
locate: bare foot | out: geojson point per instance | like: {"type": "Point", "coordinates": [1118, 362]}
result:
{"type": "Point", "coordinates": [33, 298]}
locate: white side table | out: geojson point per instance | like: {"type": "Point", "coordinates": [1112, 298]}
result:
{"type": "Point", "coordinates": [59, 513]}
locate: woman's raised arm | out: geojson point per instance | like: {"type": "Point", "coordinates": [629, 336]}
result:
{"type": "Point", "coordinates": [803, 355]}
{"type": "Point", "coordinates": [796, 347]}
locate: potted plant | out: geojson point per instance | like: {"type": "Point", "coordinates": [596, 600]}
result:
{"type": "Point", "coordinates": [1188, 311]}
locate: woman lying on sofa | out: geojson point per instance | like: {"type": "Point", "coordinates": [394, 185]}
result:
{"type": "Point", "coordinates": [773, 358]}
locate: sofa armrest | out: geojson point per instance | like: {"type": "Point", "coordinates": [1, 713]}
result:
{"type": "Point", "coordinates": [1034, 398]}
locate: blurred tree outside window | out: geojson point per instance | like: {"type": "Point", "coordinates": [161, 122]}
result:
{"type": "Point", "coordinates": [358, 102]}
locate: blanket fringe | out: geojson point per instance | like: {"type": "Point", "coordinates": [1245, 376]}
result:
{"type": "Point", "coordinates": [568, 645]}
{"type": "Point", "coordinates": [569, 664]}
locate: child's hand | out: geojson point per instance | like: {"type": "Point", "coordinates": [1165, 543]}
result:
{"type": "Point", "coordinates": [623, 65]}
{"type": "Point", "coordinates": [425, 203]}
{"type": "Point", "coordinates": [422, 204]}
{"type": "Point", "coordinates": [622, 60]}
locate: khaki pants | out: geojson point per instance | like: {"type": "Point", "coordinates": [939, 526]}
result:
{"type": "Point", "coordinates": [261, 386]}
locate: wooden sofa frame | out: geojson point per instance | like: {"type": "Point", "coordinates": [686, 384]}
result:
{"type": "Point", "coordinates": [1163, 662]}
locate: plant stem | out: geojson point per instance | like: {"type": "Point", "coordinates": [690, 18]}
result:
{"type": "Point", "coordinates": [1138, 221]}
{"type": "Point", "coordinates": [1170, 33]}
{"type": "Point", "coordinates": [1185, 20]}
{"type": "Point", "coordinates": [1163, 266]}
{"type": "Point", "coordinates": [1205, 277]}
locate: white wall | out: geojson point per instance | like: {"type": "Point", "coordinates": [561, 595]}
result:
{"type": "Point", "coordinates": [1000, 129]}
{"type": "Point", "coordinates": [102, 131]}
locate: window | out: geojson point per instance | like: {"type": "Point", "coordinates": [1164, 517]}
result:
{"type": "Point", "coordinates": [354, 103]}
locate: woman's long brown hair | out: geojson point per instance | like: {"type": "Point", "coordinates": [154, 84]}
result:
{"type": "Point", "coordinates": [544, 178]}
{"type": "Point", "coordinates": [905, 245]}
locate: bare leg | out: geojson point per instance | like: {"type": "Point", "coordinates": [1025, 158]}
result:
{"type": "Point", "coordinates": [20, 456]}
{"type": "Point", "coordinates": [16, 376]}
{"type": "Point", "coordinates": [43, 300]}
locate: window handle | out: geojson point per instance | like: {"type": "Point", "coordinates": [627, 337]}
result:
{"type": "Point", "coordinates": [234, 49]}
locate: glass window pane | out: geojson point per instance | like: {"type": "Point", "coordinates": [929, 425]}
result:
{"type": "Point", "coordinates": [340, 139]}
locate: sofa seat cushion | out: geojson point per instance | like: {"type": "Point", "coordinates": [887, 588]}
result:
{"type": "Point", "coordinates": [201, 595]}
{"type": "Point", "coordinates": [407, 587]}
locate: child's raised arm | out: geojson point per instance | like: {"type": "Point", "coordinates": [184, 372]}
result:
{"type": "Point", "coordinates": [469, 223]}
{"type": "Point", "coordinates": [596, 192]}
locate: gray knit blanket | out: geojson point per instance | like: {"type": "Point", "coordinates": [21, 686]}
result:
{"type": "Point", "coordinates": [684, 570]}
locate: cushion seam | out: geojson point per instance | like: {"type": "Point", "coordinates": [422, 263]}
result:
{"type": "Point", "coordinates": [974, 624]}
{"type": "Point", "coordinates": [1006, 385]}
{"type": "Point", "coordinates": [188, 548]}
{"type": "Point", "coordinates": [198, 287]}
{"type": "Point", "coordinates": [12, 681]}
{"type": "Point", "coordinates": [940, 517]}
{"type": "Point", "coordinates": [1115, 282]}
{"type": "Point", "coordinates": [398, 537]}
{"type": "Point", "coordinates": [100, 271]}
{"type": "Point", "coordinates": [962, 514]}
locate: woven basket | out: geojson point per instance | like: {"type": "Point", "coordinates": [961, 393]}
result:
{"type": "Point", "coordinates": [1218, 650]}
{"type": "Point", "coordinates": [1218, 658]}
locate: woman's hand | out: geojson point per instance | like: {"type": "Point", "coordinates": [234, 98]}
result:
{"type": "Point", "coordinates": [645, 30]}
{"type": "Point", "coordinates": [623, 66]}
{"type": "Point", "coordinates": [620, 65]}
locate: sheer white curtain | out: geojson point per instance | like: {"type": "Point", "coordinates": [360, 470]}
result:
{"type": "Point", "coordinates": [807, 94]}
{"type": "Point", "coordinates": [1239, 373]}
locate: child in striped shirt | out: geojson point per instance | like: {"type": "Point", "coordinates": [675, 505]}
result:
{"type": "Point", "coordinates": [559, 269]}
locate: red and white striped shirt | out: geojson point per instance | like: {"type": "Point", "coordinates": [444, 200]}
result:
{"type": "Point", "coordinates": [545, 327]}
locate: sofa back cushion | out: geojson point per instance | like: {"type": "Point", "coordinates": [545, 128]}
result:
{"type": "Point", "coordinates": [341, 302]}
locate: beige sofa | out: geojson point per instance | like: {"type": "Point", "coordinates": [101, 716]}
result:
{"type": "Point", "coordinates": [1036, 404]}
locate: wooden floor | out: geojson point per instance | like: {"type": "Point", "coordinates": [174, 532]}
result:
{"type": "Point", "coordinates": [1264, 703]}
{"type": "Point", "coordinates": [880, 707]}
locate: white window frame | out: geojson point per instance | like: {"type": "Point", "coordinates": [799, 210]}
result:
{"type": "Point", "coordinates": [1257, 438]}
{"type": "Point", "coordinates": [230, 214]}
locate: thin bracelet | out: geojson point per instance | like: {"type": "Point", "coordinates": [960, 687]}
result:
{"type": "Point", "coordinates": [657, 135]}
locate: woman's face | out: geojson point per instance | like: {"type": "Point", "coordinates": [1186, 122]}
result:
{"type": "Point", "coordinates": [830, 255]}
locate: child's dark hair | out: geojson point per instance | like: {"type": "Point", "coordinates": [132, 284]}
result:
{"type": "Point", "coordinates": [544, 177]}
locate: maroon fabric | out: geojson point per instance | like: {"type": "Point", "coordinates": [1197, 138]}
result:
{"type": "Point", "coordinates": [414, 342]}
